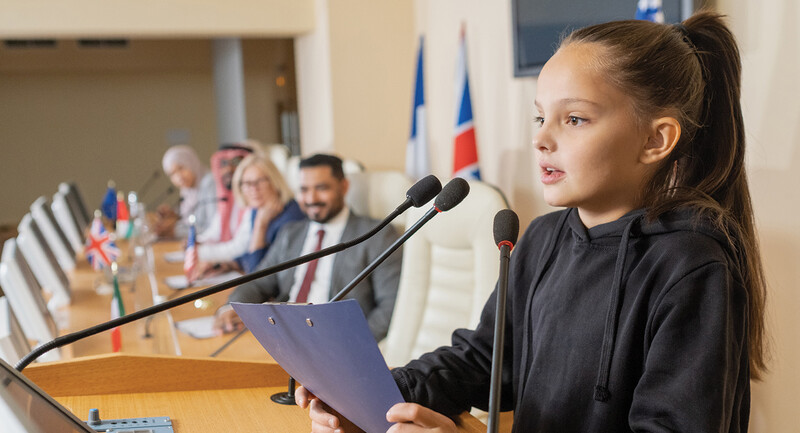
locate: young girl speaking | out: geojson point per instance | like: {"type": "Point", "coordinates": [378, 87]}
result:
{"type": "Point", "coordinates": [640, 306]}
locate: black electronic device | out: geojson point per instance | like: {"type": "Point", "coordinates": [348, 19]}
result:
{"type": "Point", "coordinates": [26, 408]}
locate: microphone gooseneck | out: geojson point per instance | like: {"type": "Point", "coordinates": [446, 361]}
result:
{"type": "Point", "coordinates": [454, 193]}
{"type": "Point", "coordinates": [78, 335]}
{"type": "Point", "coordinates": [163, 196]}
{"type": "Point", "coordinates": [506, 230]}
{"type": "Point", "coordinates": [149, 182]}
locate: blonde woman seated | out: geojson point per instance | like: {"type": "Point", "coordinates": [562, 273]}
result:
{"type": "Point", "coordinates": [258, 186]}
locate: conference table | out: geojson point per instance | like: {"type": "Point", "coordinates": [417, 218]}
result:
{"type": "Point", "coordinates": [200, 393]}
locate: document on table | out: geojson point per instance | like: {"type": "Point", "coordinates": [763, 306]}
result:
{"type": "Point", "coordinates": [174, 256]}
{"type": "Point", "coordinates": [330, 350]}
{"type": "Point", "coordinates": [198, 327]}
{"type": "Point", "coordinates": [178, 282]}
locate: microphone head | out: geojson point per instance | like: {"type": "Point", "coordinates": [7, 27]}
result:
{"type": "Point", "coordinates": [506, 227]}
{"type": "Point", "coordinates": [424, 190]}
{"type": "Point", "coordinates": [452, 194]}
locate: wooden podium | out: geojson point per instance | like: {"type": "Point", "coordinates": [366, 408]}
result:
{"type": "Point", "coordinates": [199, 395]}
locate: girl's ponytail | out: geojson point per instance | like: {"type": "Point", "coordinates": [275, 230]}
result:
{"type": "Point", "coordinates": [720, 138]}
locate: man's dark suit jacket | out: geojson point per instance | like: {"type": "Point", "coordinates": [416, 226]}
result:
{"type": "Point", "coordinates": [376, 294]}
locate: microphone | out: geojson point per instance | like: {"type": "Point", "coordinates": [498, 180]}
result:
{"type": "Point", "coordinates": [422, 192]}
{"type": "Point", "coordinates": [506, 230]}
{"type": "Point", "coordinates": [452, 194]}
{"type": "Point", "coordinates": [149, 182]}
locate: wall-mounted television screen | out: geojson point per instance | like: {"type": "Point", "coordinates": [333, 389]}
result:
{"type": "Point", "coordinates": [539, 25]}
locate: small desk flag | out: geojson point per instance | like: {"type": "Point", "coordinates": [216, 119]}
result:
{"type": "Point", "coordinates": [100, 247]}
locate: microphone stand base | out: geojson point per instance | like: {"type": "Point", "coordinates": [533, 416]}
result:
{"type": "Point", "coordinates": [283, 398]}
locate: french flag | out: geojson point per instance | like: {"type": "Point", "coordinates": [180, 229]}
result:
{"type": "Point", "coordinates": [417, 161]}
{"type": "Point", "coordinates": [465, 156]}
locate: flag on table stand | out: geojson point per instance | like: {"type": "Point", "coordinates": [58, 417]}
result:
{"type": "Point", "coordinates": [100, 247]}
{"type": "Point", "coordinates": [465, 154]}
{"type": "Point", "coordinates": [417, 161]}
{"type": "Point", "coordinates": [109, 204]}
{"type": "Point", "coordinates": [650, 10]}
{"type": "Point", "coordinates": [117, 311]}
{"type": "Point", "coordinates": [190, 258]}
{"type": "Point", "coordinates": [124, 226]}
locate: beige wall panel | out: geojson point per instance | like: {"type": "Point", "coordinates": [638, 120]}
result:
{"type": "Point", "coordinates": [372, 66]}
{"type": "Point", "coordinates": [154, 18]}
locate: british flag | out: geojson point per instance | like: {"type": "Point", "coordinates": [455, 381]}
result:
{"type": "Point", "coordinates": [190, 258]}
{"type": "Point", "coordinates": [465, 152]}
{"type": "Point", "coordinates": [100, 247]}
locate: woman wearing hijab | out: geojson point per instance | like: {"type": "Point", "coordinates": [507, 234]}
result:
{"type": "Point", "coordinates": [197, 190]}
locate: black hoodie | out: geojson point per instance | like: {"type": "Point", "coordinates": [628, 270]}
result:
{"type": "Point", "coordinates": [627, 326]}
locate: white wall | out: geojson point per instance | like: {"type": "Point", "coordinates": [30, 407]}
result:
{"type": "Point", "coordinates": [770, 45]}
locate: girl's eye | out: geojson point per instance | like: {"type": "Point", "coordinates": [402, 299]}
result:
{"type": "Point", "coordinates": [539, 120]}
{"type": "Point", "coordinates": [574, 120]}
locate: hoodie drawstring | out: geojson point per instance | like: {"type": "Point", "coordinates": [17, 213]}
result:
{"type": "Point", "coordinates": [526, 334]}
{"type": "Point", "coordinates": [601, 391]}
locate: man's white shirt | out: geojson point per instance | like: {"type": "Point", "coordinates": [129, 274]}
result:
{"type": "Point", "coordinates": [321, 286]}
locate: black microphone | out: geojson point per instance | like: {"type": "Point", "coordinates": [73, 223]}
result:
{"type": "Point", "coordinates": [149, 182]}
{"type": "Point", "coordinates": [422, 192]}
{"type": "Point", "coordinates": [506, 230]}
{"type": "Point", "coordinates": [452, 194]}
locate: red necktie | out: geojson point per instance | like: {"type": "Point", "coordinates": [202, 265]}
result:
{"type": "Point", "coordinates": [302, 295]}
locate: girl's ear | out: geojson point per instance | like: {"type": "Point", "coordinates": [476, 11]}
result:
{"type": "Point", "coordinates": [664, 135]}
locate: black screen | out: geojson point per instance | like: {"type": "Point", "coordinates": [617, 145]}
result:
{"type": "Point", "coordinates": [539, 25]}
{"type": "Point", "coordinates": [26, 408]}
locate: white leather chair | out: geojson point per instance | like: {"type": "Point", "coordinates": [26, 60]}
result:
{"type": "Point", "coordinates": [279, 155]}
{"type": "Point", "coordinates": [378, 193]}
{"type": "Point", "coordinates": [450, 267]}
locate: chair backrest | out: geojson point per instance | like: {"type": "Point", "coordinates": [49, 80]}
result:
{"type": "Point", "coordinates": [449, 269]}
{"type": "Point", "coordinates": [279, 155]}
{"type": "Point", "coordinates": [56, 239]}
{"type": "Point", "coordinates": [378, 193]}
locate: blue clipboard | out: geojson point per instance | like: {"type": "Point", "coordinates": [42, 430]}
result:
{"type": "Point", "coordinates": [330, 350]}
